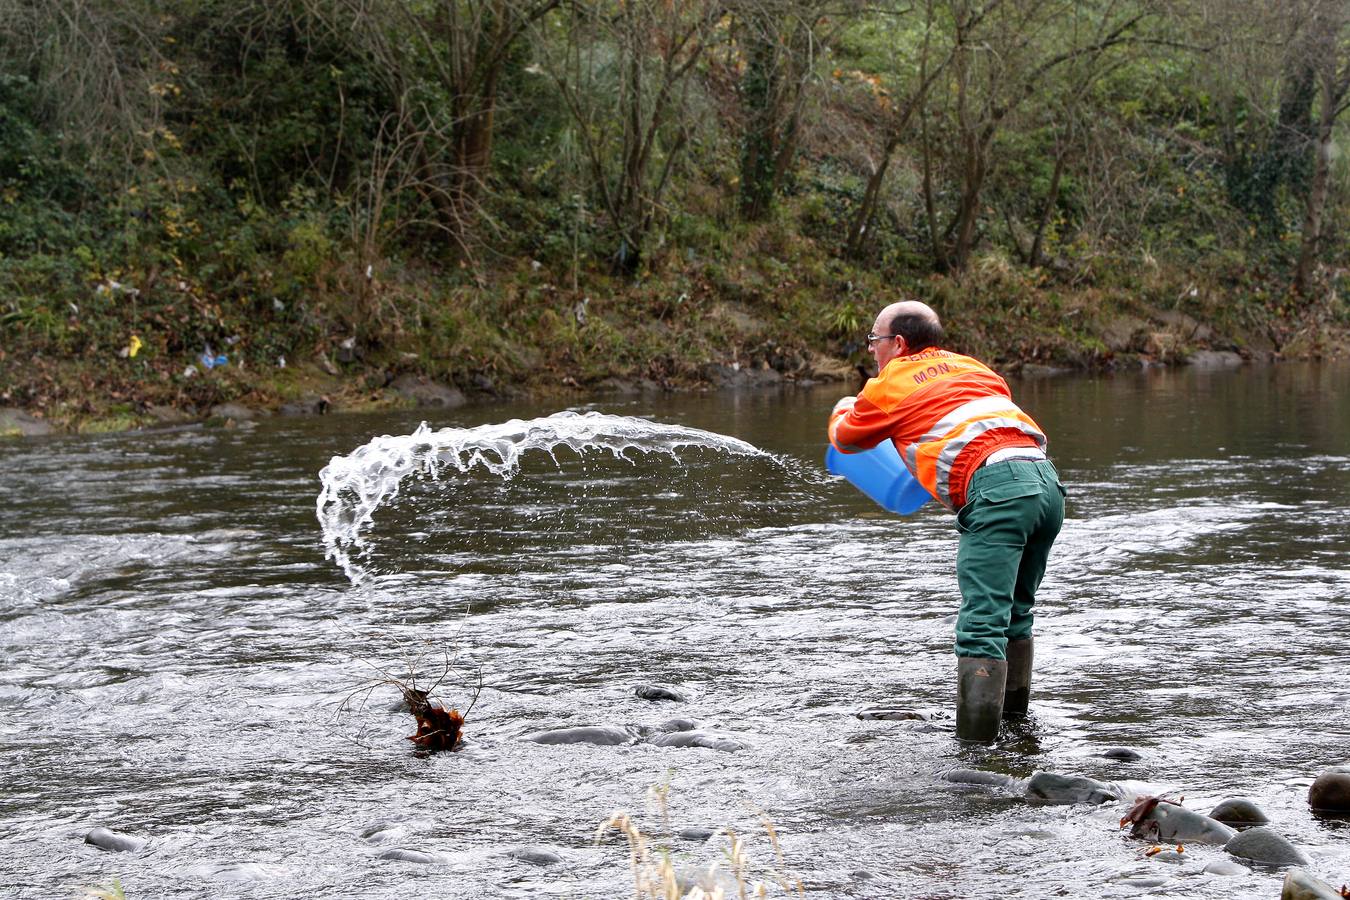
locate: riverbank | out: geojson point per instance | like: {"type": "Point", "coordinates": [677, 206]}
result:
{"type": "Point", "coordinates": [701, 327]}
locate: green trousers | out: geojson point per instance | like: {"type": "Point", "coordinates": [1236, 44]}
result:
{"type": "Point", "coordinates": [1012, 515]}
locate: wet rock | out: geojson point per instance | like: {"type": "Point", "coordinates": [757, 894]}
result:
{"type": "Point", "coordinates": [1239, 813]}
{"type": "Point", "coordinates": [1330, 793]}
{"type": "Point", "coordinates": [425, 392]}
{"type": "Point", "coordinates": [1036, 370]}
{"type": "Point", "coordinates": [659, 692]}
{"type": "Point", "coordinates": [676, 725]}
{"type": "Point", "coordinates": [382, 832]}
{"type": "Point", "coordinates": [106, 839]}
{"type": "Point", "coordinates": [312, 405]}
{"type": "Point", "coordinates": [975, 776]}
{"type": "Point", "coordinates": [708, 740]}
{"type": "Point", "coordinates": [1265, 848]}
{"type": "Point", "coordinates": [535, 856]}
{"type": "Point", "coordinates": [724, 376]}
{"type": "Point", "coordinates": [1214, 359]}
{"type": "Point", "coordinates": [1299, 885]}
{"type": "Point", "coordinates": [1225, 867]}
{"type": "Point", "coordinates": [696, 833]}
{"type": "Point", "coordinates": [17, 423]}
{"type": "Point", "coordinates": [1175, 857]}
{"type": "Point", "coordinates": [1179, 825]}
{"type": "Point", "coordinates": [600, 735]}
{"type": "Point", "coordinates": [399, 854]}
{"type": "Point", "coordinates": [167, 415]}
{"type": "Point", "coordinates": [620, 386]}
{"type": "Point", "coordinates": [236, 411]}
{"type": "Point", "coordinates": [1069, 789]}
{"type": "Point", "coordinates": [889, 714]}
{"type": "Point", "coordinates": [1124, 754]}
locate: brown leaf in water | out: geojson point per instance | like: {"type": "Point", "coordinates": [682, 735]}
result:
{"type": "Point", "coordinates": [437, 728]}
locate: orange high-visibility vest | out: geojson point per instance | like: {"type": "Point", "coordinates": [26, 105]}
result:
{"type": "Point", "coordinates": [946, 414]}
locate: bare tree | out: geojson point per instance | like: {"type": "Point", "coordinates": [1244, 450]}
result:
{"type": "Point", "coordinates": [445, 61]}
{"type": "Point", "coordinates": [624, 74]}
{"type": "Point", "coordinates": [1004, 51]}
{"type": "Point", "coordinates": [1330, 59]}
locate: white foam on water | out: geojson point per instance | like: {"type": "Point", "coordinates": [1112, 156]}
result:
{"type": "Point", "coordinates": [355, 486]}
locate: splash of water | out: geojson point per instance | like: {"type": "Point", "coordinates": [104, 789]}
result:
{"type": "Point", "coordinates": [356, 485]}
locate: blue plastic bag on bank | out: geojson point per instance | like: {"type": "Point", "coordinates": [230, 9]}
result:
{"type": "Point", "coordinates": [880, 473]}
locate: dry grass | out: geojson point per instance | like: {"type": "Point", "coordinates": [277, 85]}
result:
{"type": "Point", "coordinates": [652, 861]}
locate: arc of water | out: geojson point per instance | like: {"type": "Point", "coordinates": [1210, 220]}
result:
{"type": "Point", "coordinates": [356, 485]}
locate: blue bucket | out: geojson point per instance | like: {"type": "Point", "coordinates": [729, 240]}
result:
{"type": "Point", "coordinates": [880, 473]}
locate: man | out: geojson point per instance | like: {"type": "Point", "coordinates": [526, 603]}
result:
{"type": "Point", "coordinates": [960, 434]}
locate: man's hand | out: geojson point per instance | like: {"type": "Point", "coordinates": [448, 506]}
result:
{"type": "Point", "coordinates": [844, 405]}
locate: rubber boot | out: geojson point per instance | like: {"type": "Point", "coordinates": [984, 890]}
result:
{"type": "Point", "coordinates": [1017, 693]}
{"type": "Point", "coordinates": [979, 697]}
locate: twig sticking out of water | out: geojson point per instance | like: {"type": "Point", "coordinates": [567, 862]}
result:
{"type": "Point", "coordinates": [438, 729]}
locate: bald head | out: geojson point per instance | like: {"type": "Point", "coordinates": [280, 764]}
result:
{"type": "Point", "coordinates": [914, 321]}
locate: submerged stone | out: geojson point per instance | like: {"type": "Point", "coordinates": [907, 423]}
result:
{"type": "Point", "coordinates": [1225, 867]}
{"type": "Point", "coordinates": [106, 839]}
{"type": "Point", "coordinates": [600, 735]}
{"type": "Point", "coordinates": [1239, 813]}
{"type": "Point", "coordinates": [1169, 822]}
{"type": "Point", "coordinates": [398, 854]}
{"type": "Point", "coordinates": [1069, 789]}
{"type": "Point", "coordinates": [1300, 885]}
{"type": "Point", "coordinates": [1265, 848]}
{"type": "Point", "coordinates": [893, 714]}
{"type": "Point", "coordinates": [676, 724]}
{"type": "Point", "coordinates": [1330, 793]}
{"type": "Point", "coordinates": [708, 740]}
{"type": "Point", "coordinates": [696, 833]}
{"type": "Point", "coordinates": [659, 692]}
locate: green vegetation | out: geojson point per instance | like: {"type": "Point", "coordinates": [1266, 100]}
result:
{"type": "Point", "coordinates": [538, 195]}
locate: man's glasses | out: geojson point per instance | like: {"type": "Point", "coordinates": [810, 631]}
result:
{"type": "Point", "coordinates": [872, 338]}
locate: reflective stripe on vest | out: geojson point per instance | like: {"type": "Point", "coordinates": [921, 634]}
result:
{"type": "Point", "coordinates": [931, 458]}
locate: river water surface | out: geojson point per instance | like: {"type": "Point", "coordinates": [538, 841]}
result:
{"type": "Point", "coordinates": [175, 649]}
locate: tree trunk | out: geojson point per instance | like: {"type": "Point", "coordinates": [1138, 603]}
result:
{"type": "Point", "coordinates": [867, 211]}
{"type": "Point", "coordinates": [1317, 192]}
{"type": "Point", "coordinates": [1034, 258]}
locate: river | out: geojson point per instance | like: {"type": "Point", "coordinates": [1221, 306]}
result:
{"type": "Point", "coordinates": [180, 662]}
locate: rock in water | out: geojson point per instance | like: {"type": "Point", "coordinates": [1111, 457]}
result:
{"type": "Point", "coordinates": [104, 839]}
{"type": "Point", "coordinates": [1239, 813]}
{"type": "Point", "coordinates": [1265, 848]}
{"type": "Point", "coordinates": [658, 692]}
{"type": "Point", "coordinates": [1178, 825]}
{"type": "Point", "coordinates": [975, 776]}
{"type": "Point", "coordinates": [1123, 754]}
{"type": "Point", "coordinates": [1330, 793]}
{"type": "Point", "coordinates": [1069, 789]}
{"type": "Point", "coordinates": [601, 735]}
{"type": "Point", "coordinates": [1299, 885]}
{"type": "Point", "coordinates": [536, 856]}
